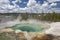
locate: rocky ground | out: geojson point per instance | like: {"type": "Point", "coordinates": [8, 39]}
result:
{"type": "Point", "coordinates": [9, 34]}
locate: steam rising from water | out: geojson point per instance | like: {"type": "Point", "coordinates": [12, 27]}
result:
{"type": "Point", "coordinates": [55, 27]}
{"type": "Point", "coordinates": [9, 23]}
{"type": "Point", "coordinates": [17, 21]}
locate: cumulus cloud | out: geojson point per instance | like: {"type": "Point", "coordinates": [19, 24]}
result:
{"type": "Point", "coordinates": [53, 4]}
{"type": "Point", "coordinates": [32, 7]}
{"type": "Point", "coordinates": [14, 2]}
{"type": "Point", "coordinates": [52, 0]}
{"type": "Point", "coordinates": [31, 3]}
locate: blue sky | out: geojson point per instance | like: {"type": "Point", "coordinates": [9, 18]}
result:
{"type": "Point", "coordinates": [24, 5]}
{"type": "Point", "coordinates": [30, 6]}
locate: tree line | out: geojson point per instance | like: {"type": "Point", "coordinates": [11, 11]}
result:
{"type": "Point", "coordinates": [41, 16]}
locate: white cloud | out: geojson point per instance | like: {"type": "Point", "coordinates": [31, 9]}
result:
{"type": "Point", "coordinates": [32, 7]}
{"type": "Point", "coordinates": [52, 0]}
{"type": "Point", "coordinates": [31, 3]}
{"type": "Point", "coordinates": [38, 8]}
{"type": "Point", "coordinates": [14, 2]}
{"type": "Point", "coordinates": [17, 1]}
{"type": "Point", "coordinates": [45, 4]}
{"type": "Point", "coordinates": [4, 1]}
{"type": "Point", "coordinates": [53, 4]}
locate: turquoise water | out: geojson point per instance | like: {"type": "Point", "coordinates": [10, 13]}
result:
{"type": "Point", "coordinates": [28, 27]}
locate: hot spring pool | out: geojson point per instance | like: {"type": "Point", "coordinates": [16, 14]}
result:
{"type": "Point", "coordinates": [29, 27]}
